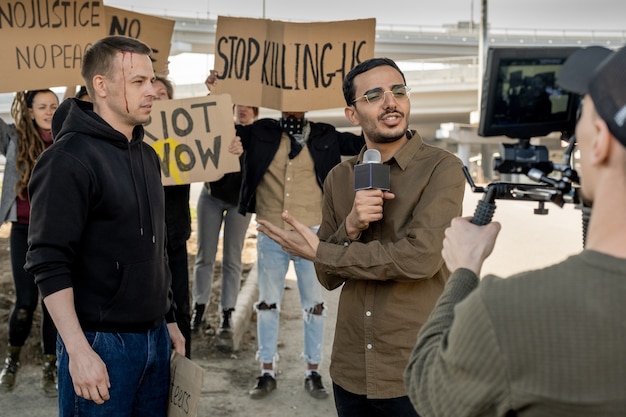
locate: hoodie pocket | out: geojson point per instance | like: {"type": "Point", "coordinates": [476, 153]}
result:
{"type": "Point", "coordinates": [141, 297]}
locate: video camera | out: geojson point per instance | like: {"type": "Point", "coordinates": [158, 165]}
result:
{"type": "Point", "coordinates": [521, 100]}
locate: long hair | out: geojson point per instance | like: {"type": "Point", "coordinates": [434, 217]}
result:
{"type": "Point", "coordinates": [169, 87]}
{"type": "Point", "coordinates": [29, 143]}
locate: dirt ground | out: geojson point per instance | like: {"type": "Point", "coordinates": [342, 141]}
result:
{"type": "Point", "coordinates": [228, 376]}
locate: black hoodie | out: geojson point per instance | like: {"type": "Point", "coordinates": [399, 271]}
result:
{"type": "Point", "coordinates": [97, 223]}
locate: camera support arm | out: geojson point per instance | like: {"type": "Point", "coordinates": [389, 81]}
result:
{"type": "Point", "coordinates": [486, 207]}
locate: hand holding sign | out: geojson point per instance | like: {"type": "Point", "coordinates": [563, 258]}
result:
{"type": "Point", "coordinates": [190, 137]}
{"type": "Point", "coordinates": [235, 147]}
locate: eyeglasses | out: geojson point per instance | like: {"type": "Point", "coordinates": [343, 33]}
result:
{"type": "Point", "coordinates": [399, 92]}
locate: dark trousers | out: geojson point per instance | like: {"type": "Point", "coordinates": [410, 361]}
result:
{"type": "Point", "coordinates": [349, 404]}
{"type": "Point", "coordinates": [177, 258]}
{"type": "Point", "coordinates": [26, 296]}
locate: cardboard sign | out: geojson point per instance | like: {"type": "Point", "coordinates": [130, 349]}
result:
{"type": "Point", "coordinates": [289, 66]}
{"type": "Point", "coordinates": [191, 137]}
{"type": "Point", "coordinates": [154, 31]}
{"type": "Point", "coordinates": [43, 42]}
{"type": "Point", "coordinates": [186, 379]}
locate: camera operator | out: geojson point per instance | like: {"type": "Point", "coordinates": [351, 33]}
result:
{"type": "Point", "coordinates": [548, 342]}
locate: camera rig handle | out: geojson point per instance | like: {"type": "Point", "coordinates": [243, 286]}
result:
{"type": "Point", "coordinates": [531, 161]}
{"type": "Point", "coordinates": [551, 190]}
{"type": "Point", "coordinates": [486, 207]}
{"type": "Point", "coordinates": [558, 190]}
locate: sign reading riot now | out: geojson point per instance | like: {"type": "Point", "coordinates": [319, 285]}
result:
{"type": "Point", "coordinates": [289, 66]}
{"type": "Point", "coordinates": [44, 42]}
{"type": "Point", "coordinates": [191, 137]}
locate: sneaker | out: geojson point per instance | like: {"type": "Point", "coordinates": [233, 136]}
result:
{"type": "Point", "coordinates": [313, 385]}
{"type": "Point", "coordinates": [264, 385]}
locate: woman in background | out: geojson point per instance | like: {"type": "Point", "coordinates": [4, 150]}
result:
{"type": "Point", "coordinates": [217, 205]}
{"type": "Point", "coordinates": [22, 143]}
{"type": "Point", "coordinates": [178, 224]}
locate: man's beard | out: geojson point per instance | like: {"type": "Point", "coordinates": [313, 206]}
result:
{"type": "Point", "coordinates": [379, 137]}
{"type": "Point", "coordinates": [387, 139]}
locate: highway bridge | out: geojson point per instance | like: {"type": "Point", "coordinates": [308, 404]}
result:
{"type": "Point", "coordinates": [441, 61]}
{"type": "Point", "coordinates": [441, 67]}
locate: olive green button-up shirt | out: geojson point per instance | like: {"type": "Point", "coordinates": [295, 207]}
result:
{"type": "Point", "coordinates": [393, 275]}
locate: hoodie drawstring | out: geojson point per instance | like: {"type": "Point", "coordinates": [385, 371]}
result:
{"type": "Point", "coordinates": [143, 167]}
{"type": "Point", "coordinates": [132, 174]}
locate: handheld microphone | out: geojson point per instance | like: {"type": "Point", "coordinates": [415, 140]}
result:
{"type": "Point", "coordinates": [372, 173]}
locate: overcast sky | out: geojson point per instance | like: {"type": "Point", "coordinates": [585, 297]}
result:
{"type": "Point", "coordinates": [526, 14]}
{"type": "Point", "coordinates": [569, 15]}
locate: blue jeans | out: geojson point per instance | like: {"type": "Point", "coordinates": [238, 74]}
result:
{"type": "Point", "coordinates": [349, 404]}
{"type": "Point", "coordinates": [273, 263]}
{"type": "Point", "coordinates": [212, 212]}
{"type": "Point", "coordinates": [139, 371]}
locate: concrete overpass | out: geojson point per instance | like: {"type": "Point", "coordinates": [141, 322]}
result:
{"type": "Point", "coordinates": [444, 74]}
{"type": "Point", "coordinates": [403, 43]}
{"type": "Point", "coordinates": [443, 62]}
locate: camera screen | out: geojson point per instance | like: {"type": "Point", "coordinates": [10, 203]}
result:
{"type": "Point", "coordinates": [522, 97]}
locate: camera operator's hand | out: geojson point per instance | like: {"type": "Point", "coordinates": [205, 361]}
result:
{"type": "Point", "coordinates": [467, 245]}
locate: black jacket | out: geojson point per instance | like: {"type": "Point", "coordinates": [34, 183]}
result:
{"type": "Point", "coordinates": [261, 140]}
{"type": "Point", "coordinates": [97, 223]}
{"type": "Point", "coordinates": [177, 215]}
{"type": "Point", "coordinates": [227, 188]}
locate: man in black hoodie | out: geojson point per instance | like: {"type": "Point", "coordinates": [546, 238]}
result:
{"type": "Point", "coordinates": [97, 242]}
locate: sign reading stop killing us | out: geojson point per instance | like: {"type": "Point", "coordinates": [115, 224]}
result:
{"type": "Point", "coordinates": [289, 66]}
{"type": "Point", "coordinates": [191, 137]}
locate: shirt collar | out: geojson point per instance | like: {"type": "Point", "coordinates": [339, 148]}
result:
{"type": "Point", "coordinates": [404, 156]}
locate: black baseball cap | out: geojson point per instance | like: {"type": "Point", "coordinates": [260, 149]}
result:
{"type": "Point", "coordinates": [601, 73]}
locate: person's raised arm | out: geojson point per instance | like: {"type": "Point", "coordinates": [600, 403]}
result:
{"type": "Point", "coordinates": [414, 253]}
{"type": "Point", "coordinates": [70, 92]}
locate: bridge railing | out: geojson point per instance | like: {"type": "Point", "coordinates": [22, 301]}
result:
{"type": "Point", "coordinates": [425, 73]}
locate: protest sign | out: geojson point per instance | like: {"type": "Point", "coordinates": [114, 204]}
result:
{"type": "Point", "coordinates": [191, 137]}
{"type": "Point", "coordinates": [44, 42]}
{"type": "Point", "coordinates": [154, 31]}
{"type": "Point", "coordinates": [186, 378]}
{"type": "Point", "coordinates": [289, 66]}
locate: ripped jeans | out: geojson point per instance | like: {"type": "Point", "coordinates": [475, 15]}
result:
{"type": "Point", "coordinates": [272, 264]}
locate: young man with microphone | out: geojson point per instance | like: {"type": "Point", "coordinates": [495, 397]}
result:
{"type": "Point", "coordinates": [383, 248]}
